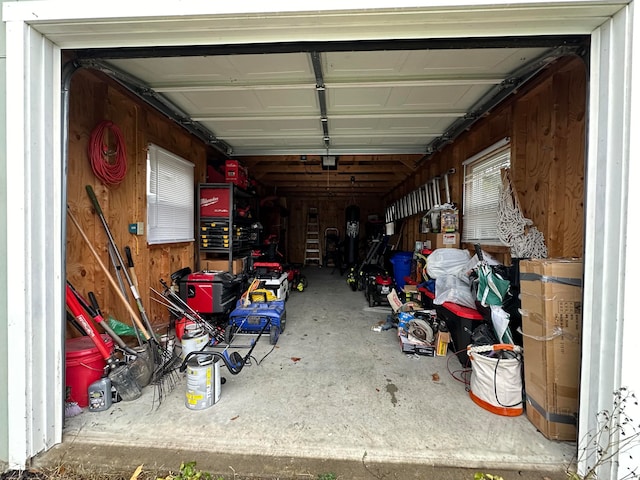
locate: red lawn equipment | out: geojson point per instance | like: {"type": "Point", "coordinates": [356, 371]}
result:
{"type": "Point", "coordinates": [269, 263]}
{"type": "Point", "coordinates": [119, 374]}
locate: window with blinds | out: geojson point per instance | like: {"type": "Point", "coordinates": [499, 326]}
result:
{"type": "Point", "coordinates": [482, 190]}
{"type": "Point", "coordinates": [170, 197]}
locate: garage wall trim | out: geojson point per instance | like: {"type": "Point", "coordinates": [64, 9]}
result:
{"type": "Point", "coordinates": [36, 31]}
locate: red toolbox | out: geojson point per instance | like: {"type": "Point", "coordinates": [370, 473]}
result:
{"type": "Point", "coordinates": [214, 202]}
{"type": "Point", "coordinates": [210, 293]}
{"type": "Point", "coordinates": [461, 322]}
{"type": "Point", "coordinates": [235, 172]}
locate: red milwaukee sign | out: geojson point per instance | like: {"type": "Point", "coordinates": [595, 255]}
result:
{"type": "Point", "coordinates": [214, 202]}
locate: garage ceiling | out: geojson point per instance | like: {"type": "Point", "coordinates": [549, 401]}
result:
{"type": "Point", "coordinates": [381, 108]}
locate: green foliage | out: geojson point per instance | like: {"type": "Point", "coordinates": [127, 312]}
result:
{"type": "Point", "coordinates": [327, 476]}
{"type": "Point", "coordinates": [486, 476]}
{"type": "Point", "coordinates": [188, 471]}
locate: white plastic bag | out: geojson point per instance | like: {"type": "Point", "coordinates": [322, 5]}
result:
{"type": "Point", "coordinates": [450, 288]}
{"type": "Point", "coordinates": [447, 261]}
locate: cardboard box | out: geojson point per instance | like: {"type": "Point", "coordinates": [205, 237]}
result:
{"type": "Point", "coordinates": [551, 296]}
{"type": "Point", "coordinates": [443, 240]}
{"type": "Point", "coordinates": [442, 343]}
{"type": "Point", "coordinates": [222, 265]}
{"type": "Point", "coordinates": [407, 346]}
{"type": "Point", "coordinates": [411, 293]}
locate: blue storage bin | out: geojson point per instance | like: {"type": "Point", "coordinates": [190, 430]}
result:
{"type": "Point", "coordinates": [401, 262]}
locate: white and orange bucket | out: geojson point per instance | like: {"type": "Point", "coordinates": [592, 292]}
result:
{"type": "Point", "coordinates": [496, 378]}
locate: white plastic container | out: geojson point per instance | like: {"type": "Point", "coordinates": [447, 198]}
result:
{"type": "Point", "coordinates": [100, 395]}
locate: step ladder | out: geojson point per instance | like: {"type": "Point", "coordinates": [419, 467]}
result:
{"type": "Point", "coordinates": [312, 250]}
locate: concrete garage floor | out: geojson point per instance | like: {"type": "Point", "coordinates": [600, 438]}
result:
{"type": "Point", "coordinates": [332, 397]}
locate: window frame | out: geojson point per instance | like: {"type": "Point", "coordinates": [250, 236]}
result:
{"type": "Point", "coordinates": [171, 218]}
{"type": "Point", "coordinates": [489, 161]}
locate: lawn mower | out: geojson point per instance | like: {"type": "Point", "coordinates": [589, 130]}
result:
{"type": "Point", "coordinates": [378, 284]}
{"type": "Point", "coordinates": [269, 264]}
{"type": "Point", "coordinates": [297, 281]}
{"type": "Point", "coordinates": [357, 279]}
{"type": "Point", "coordinates": [257, 309]}
{"type": "Point", "coordinates": [270, 276]}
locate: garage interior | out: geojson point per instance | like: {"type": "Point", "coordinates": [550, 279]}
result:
{"type": "Point", "coordinates": [394, 115]}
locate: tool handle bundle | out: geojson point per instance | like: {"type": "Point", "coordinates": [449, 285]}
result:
{"type": "Point", "coordinates": [140, 318]}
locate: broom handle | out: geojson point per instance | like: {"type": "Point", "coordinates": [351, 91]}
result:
{"type": "Point", "coordinates": [106, 271]}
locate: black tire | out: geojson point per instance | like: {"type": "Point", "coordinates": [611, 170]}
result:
{"type": "Point", "coordinates": [372, 301]}
{"type": "Point", "coordinates": [274, 333]}
{"type": "Point", "coordinates": [283, 322]}
{"type": "Point", "coordinates": [303, 281]}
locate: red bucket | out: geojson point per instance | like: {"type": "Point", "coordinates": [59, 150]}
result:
{"type": "Point", "coordinates": [181, 326]}
{"type": "Point", "coordinates": [84, 365]}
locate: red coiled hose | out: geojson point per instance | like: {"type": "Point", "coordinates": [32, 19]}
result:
{"type": "Point", "coordinates": [110, 166]}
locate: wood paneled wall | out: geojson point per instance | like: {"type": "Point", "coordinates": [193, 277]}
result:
{"type": "Point", "coordinates": [546, 122]}
{"type": "Point", "coordinates": [94, 98]}
{"type": "Point", "coordinates": [331, 215]}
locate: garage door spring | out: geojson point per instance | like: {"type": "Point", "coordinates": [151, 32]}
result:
{"type": "Point", "coordinates": [108, 163]}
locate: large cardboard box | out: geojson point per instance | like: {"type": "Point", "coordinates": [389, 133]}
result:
{"type": "Point", "coordinates": [551, 296]}
{"type": "Point", "coordinates": [443, 240]}
{"type": "Point", "coordinates": [222, 265]}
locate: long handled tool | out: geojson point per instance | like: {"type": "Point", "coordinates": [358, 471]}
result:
{"type": "Point", "coordinates": [164, 362]}
{"type": "Point", "coordinates": [96, 315]}
{"type": "Point", "coordinates": [187, 311]}
{"type": "Point", "coordinates": [118, 269]}
{"type": "Point", "coordinates": [140, 367]}
{"type": "Point", "coordinates": [132, 287]}
{"type": "Point", "coordinates": [119, 374]}
{"type": "Point", "coordinates": [107, 273]}
{"type": "Point", "coordinates": [130, 265]}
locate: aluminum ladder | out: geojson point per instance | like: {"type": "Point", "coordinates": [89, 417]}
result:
{"type": "Point", "coordinates": [313, 250]}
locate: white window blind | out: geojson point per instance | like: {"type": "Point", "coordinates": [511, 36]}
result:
{"type": "Point", "coordinates": [482, 190]}
{"type": "Point", "coordinates": [170, 197]}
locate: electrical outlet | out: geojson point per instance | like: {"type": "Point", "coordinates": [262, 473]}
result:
{"type": "Point", "coordinates": [136, 228]}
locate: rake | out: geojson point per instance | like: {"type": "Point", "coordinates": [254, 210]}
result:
{"type": "Point", "coordinates": [180, 308]}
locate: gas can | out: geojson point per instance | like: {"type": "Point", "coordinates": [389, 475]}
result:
{"type": "Point", "coordinates": [203, 382]}
{"type": "Point", "coordinates": [100, 395]}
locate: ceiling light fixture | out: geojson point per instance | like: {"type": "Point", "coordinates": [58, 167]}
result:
{"type": "Point", "coordinates": [329, 162]}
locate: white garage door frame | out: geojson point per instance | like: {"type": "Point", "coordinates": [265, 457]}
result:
{"type": "Point", "coordinates": [36, 177]}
